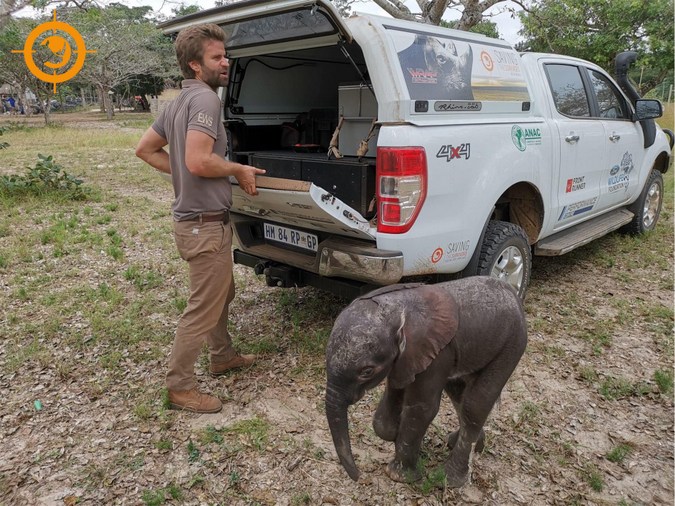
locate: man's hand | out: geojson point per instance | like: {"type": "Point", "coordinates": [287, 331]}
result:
{"type": "Point", "coordinates": [246, 178]}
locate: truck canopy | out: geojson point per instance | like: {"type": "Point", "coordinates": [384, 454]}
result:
{"type": "Point", "coordinates": [264, 27]}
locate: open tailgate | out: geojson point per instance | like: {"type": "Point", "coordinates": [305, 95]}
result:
{"type": "Point", "coordinates": [301, 204]}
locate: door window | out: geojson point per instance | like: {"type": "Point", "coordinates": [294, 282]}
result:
{"type": "Point", "coordinates": [568, 90]}
{"type": "Point", "coordinates": [611, 104]}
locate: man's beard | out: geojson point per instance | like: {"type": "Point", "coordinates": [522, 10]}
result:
{"type": "Point", "coordinates": [214, 79]}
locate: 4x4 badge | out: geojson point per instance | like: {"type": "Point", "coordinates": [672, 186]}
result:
{"type": "Point", "coordinates": [449, 152]}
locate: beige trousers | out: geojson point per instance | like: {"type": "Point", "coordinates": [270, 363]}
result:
{"type": "Point", "coordinates": [207, 248]}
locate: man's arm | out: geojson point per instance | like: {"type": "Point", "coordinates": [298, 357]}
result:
{"type": "Point", "coordinates": [150, 149]}
{"type": "Point", "coordinates": [201, 161]}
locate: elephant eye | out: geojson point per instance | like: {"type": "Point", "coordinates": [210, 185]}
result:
{"type": "Point", "coordinates": [367, 372]}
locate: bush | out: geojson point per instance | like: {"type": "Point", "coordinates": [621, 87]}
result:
{"type": "Point", "coordinates": [46, 177]}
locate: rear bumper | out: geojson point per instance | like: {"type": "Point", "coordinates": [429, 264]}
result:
{"type": "Point", "coordinates": [353, 261]}
{"type": "Point", "coordinates": [336, 256]}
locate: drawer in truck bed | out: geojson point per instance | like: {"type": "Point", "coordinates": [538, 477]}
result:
{"type": "Point", "coordinates": [350, 180]}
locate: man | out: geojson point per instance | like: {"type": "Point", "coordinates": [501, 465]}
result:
{"type": "Point", "coordinates": [191, 126]}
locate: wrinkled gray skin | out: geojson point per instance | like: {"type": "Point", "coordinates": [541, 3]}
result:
{"type": "Point", "coordinates": [463, 337]}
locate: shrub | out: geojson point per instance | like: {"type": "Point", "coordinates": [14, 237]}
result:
{"type": "Point", "coordinates": [46, 177]}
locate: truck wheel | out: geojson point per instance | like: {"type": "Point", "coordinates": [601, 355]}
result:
{"type": "Point", "coordinates": [506, 255]}
{"type": "Point", "coordinates": [647, 207]}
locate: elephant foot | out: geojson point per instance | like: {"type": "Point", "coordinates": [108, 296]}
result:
{"type": "Point", "coordinates": [480, 442]}
{"type": "Point", "coordinates": [455, 478]}
{"type": "Point", "coordinates": [397, 472]}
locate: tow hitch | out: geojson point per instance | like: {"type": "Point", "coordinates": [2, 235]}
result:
{"type": "Point", "coordinates": [282, 276]}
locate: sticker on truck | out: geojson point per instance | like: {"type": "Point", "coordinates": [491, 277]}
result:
{"type": "Point", "coordinates": [523, 137]}
{"type": "Point", "coordinates": [619, 175]}
{"type": "Point", "coordinates": [438, 67]}
{"type": "Point", "coordinates": [577, 208]}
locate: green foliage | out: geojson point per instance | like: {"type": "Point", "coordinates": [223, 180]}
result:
{"type": "Point", "coordinates": [664, 380]}
{"type": "Point", "coordinates": [596, 30]}
{"type": "Point", "coordinates": [159, 497]}
{"type": "Point", "coordinates": [592, 476]}
{"type": "Point", "coordinates": [301, 498]}
{"type": "Point", "coordinates": [46, 177]}
{"type": "Point", "coordinates": [184, 10]}
{"type": "Point", "coordinates": [619, 453]}
{"type": "Point", "coordinates": [193, 452]}
{"type": "Point", "coordinates": [612, 388]}
{"type": "Point", "coordinates": [487, 28]}
{"type": "Point", "coordinates": [436, 479]}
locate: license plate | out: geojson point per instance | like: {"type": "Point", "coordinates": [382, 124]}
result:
{"type": "Point", "coordinates": [295, 238]}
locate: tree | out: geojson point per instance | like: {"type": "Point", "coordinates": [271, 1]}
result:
{"type": "Point", "coordinates": [597, 30]}
{"type": "Point", "coordinates": [127, 45]}
{"type": "Point", "coordinates": [14, 70]}
{"type": "Point", "coordinates": [343, 6]}
{"type": "Point", "coordinates": [9, 7]}
{"type": "Point", "coordinates": [432, 11]}
{"type": "Point", "coordinates": [184, 10]}
{"type": "Point", "coordinates": [487, 28]}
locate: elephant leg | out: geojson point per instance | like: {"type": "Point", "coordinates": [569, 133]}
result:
{"type": "Point", "coordinates": [420, 407]}
{"type": "Point", "coordinates": [387, 417]}
{"type": "Point", "coordinates": [455, 390]}
{"type": "Point", "coordinates": [480, 442]}
{"type": "Point", "coordinates": [478, 398]}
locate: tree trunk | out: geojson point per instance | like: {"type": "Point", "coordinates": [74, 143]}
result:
{"type": "Point", "coordinates": [109, 108]}
{"type": "Point", "coordinates": [101, 102]}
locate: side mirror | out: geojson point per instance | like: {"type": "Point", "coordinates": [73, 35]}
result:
{"type": "Point", "coordinates": [648, 109]}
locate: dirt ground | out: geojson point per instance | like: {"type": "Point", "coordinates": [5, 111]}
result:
{"type": "Point", "coordinates": [547, 442]}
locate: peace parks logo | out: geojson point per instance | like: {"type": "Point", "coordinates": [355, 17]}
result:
{"type": "Point", "coordinates": [60, 46]}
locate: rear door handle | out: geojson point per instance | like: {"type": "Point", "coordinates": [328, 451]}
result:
{"type": "Point", "coordinates": [614, 137]}
{"type": "Point", "coordinates": [572, 138]}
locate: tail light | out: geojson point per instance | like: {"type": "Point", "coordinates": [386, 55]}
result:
{"type": "Point", "coordinates": [401, 187]}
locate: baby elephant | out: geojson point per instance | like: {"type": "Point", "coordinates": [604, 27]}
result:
{"type": "Point", "coordinates": [465, 337]}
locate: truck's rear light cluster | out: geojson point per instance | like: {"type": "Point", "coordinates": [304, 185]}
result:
{"type": "Point", "coordinates": [401, 187]}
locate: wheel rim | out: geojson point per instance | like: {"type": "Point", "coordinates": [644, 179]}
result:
{"type": "Point", "coordinates": [510, 267]}
{"type": "Point", "coordinates": [652, 204]}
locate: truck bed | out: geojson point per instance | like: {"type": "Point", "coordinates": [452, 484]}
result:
{"type": "Point", "coordinates": [350, 180]}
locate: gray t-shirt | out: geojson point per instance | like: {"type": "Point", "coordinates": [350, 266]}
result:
{"type": "Point", "coordinates": [196, 108]}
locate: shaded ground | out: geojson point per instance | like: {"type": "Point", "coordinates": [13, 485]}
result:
{"type": "Point", "coordinates": [582, 421]}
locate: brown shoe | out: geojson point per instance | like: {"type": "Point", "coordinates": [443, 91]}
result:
{"type": "Point", "coordinates": [234, 363]}
{"type": "Point", "coordinates": [194, 400]}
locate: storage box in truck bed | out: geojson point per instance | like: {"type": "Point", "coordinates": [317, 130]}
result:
{"type": "Point", "coordinates": [350, 180]}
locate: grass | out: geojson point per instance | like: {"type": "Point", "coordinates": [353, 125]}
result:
{"type": "Point", "coordinates": [92, 290]}
{"type": "Point", "coordinates": [619, 453]}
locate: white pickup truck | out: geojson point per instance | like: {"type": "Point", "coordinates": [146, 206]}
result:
{"type": "Point", "coordinates": [397, 150]}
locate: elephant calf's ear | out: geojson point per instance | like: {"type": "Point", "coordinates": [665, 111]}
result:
{"type": "Point", "coordinates": [429, 324]}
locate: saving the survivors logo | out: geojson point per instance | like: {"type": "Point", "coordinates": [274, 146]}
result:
{"type": "Point", "coordinates": [619, 175]}
{"type": "Point", "coordinates": [58, 38]}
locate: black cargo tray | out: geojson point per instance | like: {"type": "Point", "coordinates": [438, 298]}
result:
{"type": "Point", "coordinates": [350, 180]}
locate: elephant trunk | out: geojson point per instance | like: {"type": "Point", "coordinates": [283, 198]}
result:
{"type": "Point", "coordinates": [336, 411]}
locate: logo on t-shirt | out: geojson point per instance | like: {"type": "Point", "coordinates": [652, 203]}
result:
{"type": "Point", "coordinates": [204, 119]}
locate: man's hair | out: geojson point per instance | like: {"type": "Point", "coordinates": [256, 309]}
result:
{"type": "Point", "coordinates": [190, 45]}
